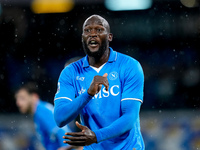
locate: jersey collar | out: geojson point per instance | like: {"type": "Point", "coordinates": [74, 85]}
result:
{"type": "Point", "coordinates": [112, 58]}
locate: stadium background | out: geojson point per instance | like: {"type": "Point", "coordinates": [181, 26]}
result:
{"type": "Point", "coordinates": [164, 38]}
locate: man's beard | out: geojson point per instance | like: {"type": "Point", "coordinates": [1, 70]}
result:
{"type": "Point", "coordinates": [98, 53]}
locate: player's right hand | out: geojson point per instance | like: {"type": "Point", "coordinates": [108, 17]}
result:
{"type": "Point", "coordinates": [96, 84]}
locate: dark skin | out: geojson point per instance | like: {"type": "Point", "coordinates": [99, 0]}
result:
{"type": "Point", "coordinates": [95, 38]}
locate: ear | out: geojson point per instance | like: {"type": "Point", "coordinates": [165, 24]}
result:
{"type": "Point", "coordinates": [110, 37]}
{"type": "Point", "coordinates": [35, 96]}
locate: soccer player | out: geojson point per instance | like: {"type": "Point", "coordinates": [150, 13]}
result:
{"type": "Point", "coordinates": [27, 100]}
{"type": "Point", "coordinates": [106, 89]}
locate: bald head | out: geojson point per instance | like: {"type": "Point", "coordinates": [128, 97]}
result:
{"type": "Point", "coordinates": [97, 20]}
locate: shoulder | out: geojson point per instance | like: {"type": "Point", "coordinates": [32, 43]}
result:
{"type": "Point", "coordinates": [75, 65]}
{"type": "Point", "coordinates": [43, 109]}
{"type": "Point", "coordinates": [126, 59]}
{"type": "Point", "coordinates": [128, 62]}
{"type": "Point", "coordinates": [72, 68]}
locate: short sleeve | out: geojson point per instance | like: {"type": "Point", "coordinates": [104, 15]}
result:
{"type": "Point", "coordinates": [65, 89]}
{"type": "Point", "coordinates": [133, 84]}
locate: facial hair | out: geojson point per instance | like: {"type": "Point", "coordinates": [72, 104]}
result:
{"type": "Point", "coordinates": [98, 53]}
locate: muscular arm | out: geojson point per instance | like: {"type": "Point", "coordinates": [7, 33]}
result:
{"type": "Point", "coordinates": [66, 110]}
{"type": "Point", "coordinates": [130, 115]}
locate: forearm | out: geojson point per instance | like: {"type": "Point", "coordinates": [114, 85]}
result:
{"type": "Point", "coordinates": [120, 126]}
{"type": "Point", "coordinates": [66, 110]}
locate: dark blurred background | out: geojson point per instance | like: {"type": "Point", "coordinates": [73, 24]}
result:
{"type": "Point", "coordinates": [164, 38]}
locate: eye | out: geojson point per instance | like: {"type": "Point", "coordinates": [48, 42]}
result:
{"type": "Point", "coordinates": [99, 29]}
{"type": "Point", "coordinates": [87, 30]}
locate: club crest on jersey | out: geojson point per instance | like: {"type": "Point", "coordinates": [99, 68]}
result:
{"type": "Point", "coordinates": [58, 89]}
{"type": "Point", "coordinates": [113, 75]}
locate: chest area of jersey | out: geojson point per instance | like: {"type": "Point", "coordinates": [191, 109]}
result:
{"type": "Point", "coordinates": [84, 80]}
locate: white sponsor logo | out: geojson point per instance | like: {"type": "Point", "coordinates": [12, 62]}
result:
{"type": "Point", "coordinates": [113, 75]}
{"type": "Point", "coordinates": [82, 91]}
{"type": "Point", "coordinates": [114, 90]}
{"type": "Point", "coordinates": [80, 78]}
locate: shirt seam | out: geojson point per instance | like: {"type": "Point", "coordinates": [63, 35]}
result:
{"type": "Point", "coordinates": [63, 98]}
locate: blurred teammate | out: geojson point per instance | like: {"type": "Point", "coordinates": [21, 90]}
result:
{"type": "Point", "coordinates": [106, 88]}
{"type": "Point", "coordinates": [27, 100]}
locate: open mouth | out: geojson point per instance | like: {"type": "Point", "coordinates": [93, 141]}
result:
{"type": "Point", "coordinates": [93, 43]}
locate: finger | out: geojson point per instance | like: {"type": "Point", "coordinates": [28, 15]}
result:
{"type": "Point", "coordinates": [75, 133]}
{"type": "Point", "coordinates": [106, 84]}
{"type": "Point", "coordinates": [99, 88]}
{"type": "Point", "coordinates": [80, 126]}
{"type": "Point", "coordinates": [105, 75]}
{"type": "Point", "coordinates": [81, 138]}
{"type": "Point", "coordinates": [75, 143]}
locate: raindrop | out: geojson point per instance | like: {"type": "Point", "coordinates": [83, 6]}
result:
{"type": "Point", "coordinates": [33, 20]}
{"type": "Point", "coordinates": [62, 22]}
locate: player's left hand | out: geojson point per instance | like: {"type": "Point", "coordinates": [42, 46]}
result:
{"type": "Point", "coordinates": [83, 138]}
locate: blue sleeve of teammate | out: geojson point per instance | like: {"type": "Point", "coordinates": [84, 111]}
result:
{"type": "Point", "coordinates": [46, 119]}
{"type": "Point", "coordinates": [132, 96]}
{"type": "Point", "coordinates": [67, 105]}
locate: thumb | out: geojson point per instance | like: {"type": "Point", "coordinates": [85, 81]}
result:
{"type": "Point", "coordinates": [80, 126]}
{"type": "Point", "coordinates": [105, 75]}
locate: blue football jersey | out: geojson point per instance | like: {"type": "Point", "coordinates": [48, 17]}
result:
{"type": "Point", "coordinates": [126, 81]}
{"type": "Point", "coordinates": [47, 131]}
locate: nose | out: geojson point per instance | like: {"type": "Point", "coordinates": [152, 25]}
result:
{"type": "Point", "coordinates": [93, 33]}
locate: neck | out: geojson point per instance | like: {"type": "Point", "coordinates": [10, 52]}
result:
{"type": "Point", "coordinates": [98, 61]}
